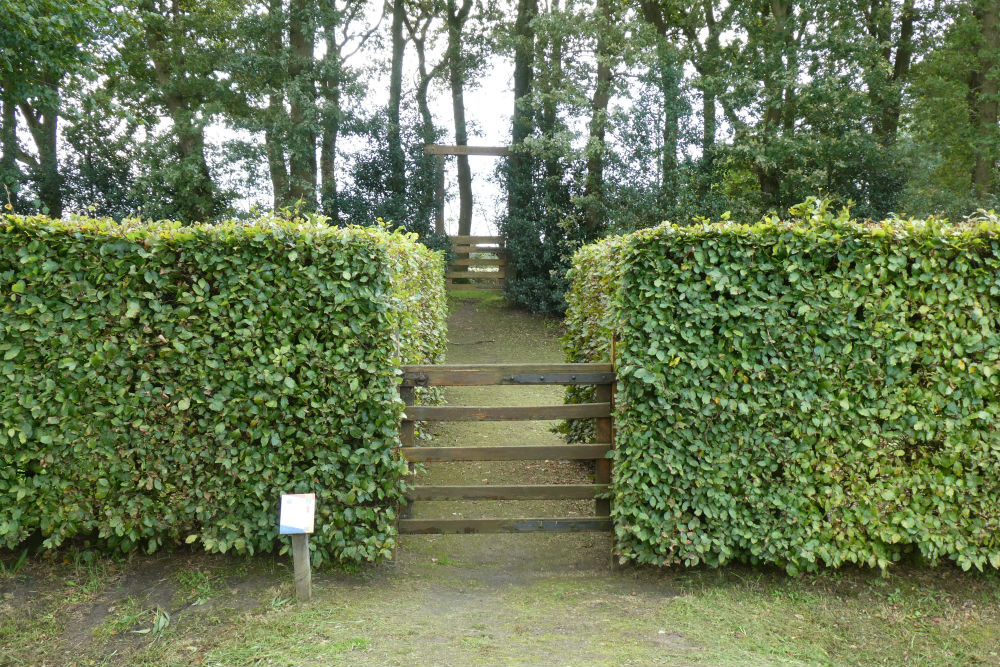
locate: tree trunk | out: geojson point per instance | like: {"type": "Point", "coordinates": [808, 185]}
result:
{"type": "Point", "coordinates": [987, 107]}
{"type": "Point", "coordinates": [670, 80]}
{"type": "Point", "coordinates": [779, 98]}
{"type": "Point", "coordinates": [198, 199]}
{"type": "Point", "coordinates": [456, 78]}
{"type": "Point", "coordinates": [710, 64]}
{"type": "Point", "coordinates": [553, 75]}
{"type": "Point", "coordinates": [519, 183]}
{"type": "Point", "coordinates": [276, 163]}
{"type": "Point", "coordinates": [397, 161]}
{"type": "Point", "coordinates": [900, 72]}
{"type": "Point", "coordinates": [276, 114]}
{"type": "Point", "coordinates": [427, 131]}
{"type": "Point", "coordinates": [10, 175]}
{"type": "Point", "coordinates": [329, 202]}
{"type": "Point", "coordinates": [593, 189]}
{"type": "Point", "coordinates": [196, 193]}
{"type": "Point", "coordinates": [43, 123]}
{"type": "Point", "coordinates": [302, 106]}
{"type": "Point", "coordinates": [887, 95]}
{"type": "Point", "coordinates": [331, 84]}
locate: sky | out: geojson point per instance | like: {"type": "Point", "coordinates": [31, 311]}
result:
{"type": "Point", "coordinates": [489, 104]}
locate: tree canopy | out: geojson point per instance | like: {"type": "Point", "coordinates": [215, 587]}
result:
{"type": "Point", "coordinates": [621, 114]}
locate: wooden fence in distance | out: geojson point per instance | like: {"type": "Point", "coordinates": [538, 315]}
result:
{"type": "Point", "coordinates": [480, 263]}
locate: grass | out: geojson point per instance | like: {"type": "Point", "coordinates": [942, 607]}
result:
{"type": "Point", "coordinates": [195, 587]}
{"type": "Point", "coordinates": [123, 617]}
{"type": "Point", "coordinates": [736, 616]}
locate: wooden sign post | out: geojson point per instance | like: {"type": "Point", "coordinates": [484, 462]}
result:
{"type": "Point", "coordinates": [298, 511]}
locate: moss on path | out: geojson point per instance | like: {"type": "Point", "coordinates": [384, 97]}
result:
{"type": "Point", "coordinates": [536, 599]}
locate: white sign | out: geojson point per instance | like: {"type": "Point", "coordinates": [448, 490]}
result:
{"type": "Point", "coordinates": [298, 511]}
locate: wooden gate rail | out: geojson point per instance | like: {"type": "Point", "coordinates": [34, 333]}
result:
{"type": "Point", "coordinates": [507, 453]}
{"type": "Point", "coordinates": [469, 526]}
{"type": "Point", "coordinates": [438, 413]}
{"type": "Point", "coordinates": [509, 492]}
{"type": "Point", "coordinates": [600, 375]}
{"type": "Point", "coordinates": [469, 251]}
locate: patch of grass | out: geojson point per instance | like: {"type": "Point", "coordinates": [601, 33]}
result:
{"type": "Point", "coordinates": [123, 616]}
{"type": "Point", "coordinates": [9, 569]}
{"type": "Point", "coordinates": [195, 586]}
{"type": "Point", "coordinates": [87, 579]}
{"type": "Point", "coordinates": [352, 644]}
{"type": "Point", "coordinates": [486, 296]}
{"type": "Point", "coordinates": [20, 633]}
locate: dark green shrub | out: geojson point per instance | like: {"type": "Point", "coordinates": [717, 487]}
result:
{"type": "Point", "coordinates": [165, 384]}
{"type": "Point", "coordinates": [806, 392]}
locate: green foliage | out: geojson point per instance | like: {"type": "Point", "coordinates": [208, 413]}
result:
{"type": "Point", "coordinates": [165, 384]}
{"type": "Point", "coordinates": [807, 393]}
{"type": "Point", "coordinates": [590, 319]}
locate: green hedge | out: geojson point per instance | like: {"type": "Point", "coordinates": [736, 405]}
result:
{"type": "Point", "coordinates": [804, 393]}
{"type": "Point", "coordinates": [590, 319]}
{"type": "Point", "coordinates": [165, 384]}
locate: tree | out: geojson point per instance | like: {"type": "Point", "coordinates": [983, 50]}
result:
{"type": "Point", "coordinates": [457, 15]}
{"type": "Point", "coordinates": [303, 114]}
{"type": "Point", "coordinates": [397, 158]}
{"type": "Point", "coordinates": [593, 189]}
{"type": "Point", "coordinates": [424, 16]}
{"type": "Point", "coordinates": [887, 70]}
{"type": "Point", "coordinates": [42, 44]}
{"type": "Point", "coordinates": [344, 33]}
{"type": "Point", "coordinates": [984, 101]}
{"type": "Point", "coordinates": [519, 164]}
{"type": "Point", "coordinates": [166, 70]}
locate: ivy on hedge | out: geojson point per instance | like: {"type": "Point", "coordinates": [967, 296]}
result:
{"type": "Point", "coordinates": [165, 384]}
{"type": "Point", "coordinates": [806, 393]}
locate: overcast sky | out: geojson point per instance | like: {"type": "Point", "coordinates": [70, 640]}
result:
{"type": "Point", "coordinates": [489, 104]}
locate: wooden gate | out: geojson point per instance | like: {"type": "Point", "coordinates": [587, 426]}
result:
{"type": "Point", "coordinates": [600, 375]}
{"type": "Point", "coordinates": [480, 263]}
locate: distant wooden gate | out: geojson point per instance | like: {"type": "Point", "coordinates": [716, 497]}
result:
{"type": "Point", "coordinates": [600, 375]}
{"type": "Point", "coordinates": [480, 263]}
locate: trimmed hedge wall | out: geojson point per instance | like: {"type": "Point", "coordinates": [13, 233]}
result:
{"type": "Point", "coordinates": [805, 393]}
{"type": "Point", "coordinates": [165, 384]}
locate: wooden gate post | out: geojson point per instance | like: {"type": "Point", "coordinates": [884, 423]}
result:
{"type": "Point", "coordinates": [407, 435]}
{"type": "Point", "coordinates": [605, 434]}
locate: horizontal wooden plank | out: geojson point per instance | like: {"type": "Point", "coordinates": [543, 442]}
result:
{"type": "Point", "coordinates": [485, 253]}
{"type": "Point", "coordinates": [478, 261]}
{"type": "Point", "coordinates": [464, 251]}
{"type": "Point", "coordinates": [466, 413]}
{"type": "Point", "coordinates": [489, 289]}
{"type": "Point", "coordinates": [506, 453]}
{"type": "Point", "coordinates": [476, 239]}
{"type": "Point", "coordinates": [476, 274]}
{"type": "Point", "coordinates": [448, 378]}
{"type": "Point", "coordinates": [438, 149]}
{"type": "Point", "coordinates": [601, 524]}
{"type": "Point", "coordinates": [513, 368]}
{"type": "Point", "coordinates": [512, 492]}
{"type": "Point", "coordinates": [474, 375]}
